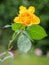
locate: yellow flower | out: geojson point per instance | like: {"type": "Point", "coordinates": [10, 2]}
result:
{"type": "Point", "coordinates": [26, 16]}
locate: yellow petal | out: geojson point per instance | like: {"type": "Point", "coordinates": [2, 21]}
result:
{"type": "Point", "coordinates": [31, 9]}
{"type": "Point", "coordinates": [35, 20]}
{"type": "Point", "coordinates": [26, 16]}
{"type": "Point", "coordinates": [16, 20]}
{"type": "Point", "coordinates": [22, 9]}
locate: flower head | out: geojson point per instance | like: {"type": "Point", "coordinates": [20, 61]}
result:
{"type": "Point", "coordinates": [26, 16]}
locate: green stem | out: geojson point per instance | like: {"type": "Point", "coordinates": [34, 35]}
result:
{"type": "Point", "coordinates": [13, 38]}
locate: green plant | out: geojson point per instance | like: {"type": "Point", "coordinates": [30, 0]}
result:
{"type": "Point", "coordinates": [26, 32]}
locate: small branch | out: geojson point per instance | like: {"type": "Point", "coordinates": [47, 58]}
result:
{"type": "Point", "coordinates": [16, 33]}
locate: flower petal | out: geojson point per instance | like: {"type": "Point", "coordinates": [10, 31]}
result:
{"type": "Point", "coordinates": [35, 20]}
{"type": "Point", "coordinates": [16, 20]}
{"type": "Point", "coordinates": [22, 9]}
{"type": "Point", "coordinates": [31, 9]}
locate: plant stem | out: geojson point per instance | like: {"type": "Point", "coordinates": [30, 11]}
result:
{"type": "Point", "coordinates": [13, 38]}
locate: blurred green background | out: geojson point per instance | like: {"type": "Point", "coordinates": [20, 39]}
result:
{"type": "Point", "coordinates": [9, 9]}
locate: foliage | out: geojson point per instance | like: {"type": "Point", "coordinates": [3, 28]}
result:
{"type": "Point", "coordinates": [9, 9]}
{"type": "Point", "coordinates": [34, 32]}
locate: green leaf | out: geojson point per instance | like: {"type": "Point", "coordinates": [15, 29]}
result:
{"type": "Point", "coordinates": [17, 26]}
{"type": "Point", "coordinates": [36, 32]}
{"type": "Point", "coordinates": [24, 43]}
